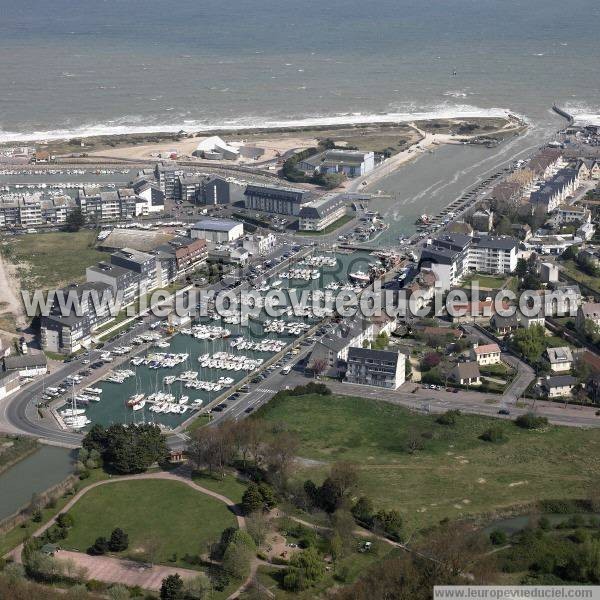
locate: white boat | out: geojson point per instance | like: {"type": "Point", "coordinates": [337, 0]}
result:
{"type": "Point", "coordinates": [139, 405]}
{"type": "Point", "coordinates": [359, 276]}
{"type": "Point", "coordinates": [72, 412]}
{"type": "Point", "coordinates": [135, 399]}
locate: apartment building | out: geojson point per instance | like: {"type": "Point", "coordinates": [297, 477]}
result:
{"type": "Point", "coordinates": [379, 368]}
{"type": "Point", "coordinates": [142, 263]}
{"type": "Point", "coordinates": [352, 163]}
{"type": "Point", "coordinates": [280, 200]}
{"type": "Point", "coordinates": [122, 281]}
{"type": "Point", "coordinates": [321, 213]}
{"type": "Point", "coordinates": [34, 210]}
{"type": "Point", "coordinates": [452, 256]}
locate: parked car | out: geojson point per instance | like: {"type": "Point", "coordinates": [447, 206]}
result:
{"type": "Point", "coordinates": [504, 411]}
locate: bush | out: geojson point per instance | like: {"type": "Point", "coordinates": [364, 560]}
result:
{"type": "Point", "coordinates": [498, 537]}
{"type": "Point", "coordinates": [99, 547]}
{"type": "Point", "coordinates": [448, 418]}
{"type": "Point", "coordinates": [531, 421]}
{"type": "Point", "coordinates": [494, 435]}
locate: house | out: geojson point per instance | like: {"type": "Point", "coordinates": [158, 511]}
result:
{"type": "Point", "coordinates": [556, 190]}
{"type": "Point", "coordinates": [379, 368]}
{"type": "Point", "coordinates": [558, 386]}
{"type": "Point", "coordinates": [503, 324]}
{"type": "Point", "coordinates": [9, 383]}
{"type": "Point", "coordinates": [522, 231]}
{"type": "Point", "coordinates": [487, 354]}
{"type": "Point", "coordinates": [482, 220]}
{"type": "Point", "coordinates": [588, 311]}
{"type": "Point", "coordinates": [567, 213]}
{"type": "Point", "coordinates": [217, 230]}
{"type": "Point", "coordinates": [561, 359]}
{"type": "Point", "coordinates": [466, 373]}
{"type": "Point", "coordinates": [352, 163]}
{"type": "Point", "coordinates": [27, 365]}
{"type": "Point", "coordinates": [228, 256]}
{"type": "Point", "coordinates": [321, 213]}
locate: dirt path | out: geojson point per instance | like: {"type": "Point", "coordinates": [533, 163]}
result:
{"type": "Point", "coordinates": [10, 289]}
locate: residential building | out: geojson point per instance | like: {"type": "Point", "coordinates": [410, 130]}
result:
{"type": "Point", "coordinates": [124, 282]}
{"type": "Point", "coordinates": [229, 256]}
{"type": "Point", "coordinates": [166, 176]}
{"type": "Point", "coordinates": [257, 245]}
{"type": "Point", "coordinates": [482, 220]}
{"type": "Point", "coordinates": [590, 253]}
{"type": "Point", "coordinates": [560, 359]}
{"type": "Point", "coordinates": [548, 272]}
{"type": "Point", "coordinates": [280, 200]}
{"type": "Point", "coordinates": [546, 163]}
{"type": "Point", "coordinates": [585, 232]}
{"type": "Point", "coordinates": [9, 383]}
{"type": "Point", "coordinates": [588, 311]}
{"type": "Point", "coordinates": [487, 354]}
{"type": "Point", "coordinates": [149, 191]}
{"type": "Point", "coordinates": [556, 190]}
{"type": "Point", "coordinates": [466, 373]}
{"type": "Point", "coordinates": [210, 190]}
{"type": "Point", "coordinates": [452, 256]}
{"type": "Point", "coordinates": [558, 386]}
{"type": "Point", "coordinates": [68, 333]}
{"type": "Point", "coordinates": [27, 365]}
{"type": "Point", "coordinates": [379, 368]}
{"type": "Point", "coordinates": [352, 163]}
{"type": "Point", "coordinates": [567, 213]}
{"type": "Point", "coordinates": [521, 231]}
{"type": "Point", "coordinates": [217, 230]}
{"type": "Point", "coordinates": [321, 213]}
{"type": "Point", "coordinates": [331, 351]}
{"type": "Point", "coordinates": [142, 263]}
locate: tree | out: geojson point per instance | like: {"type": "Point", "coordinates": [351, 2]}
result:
{"type": "Point", "coordinates": [172, 588]}
{"type": "Point", "coordinates": [127, 448]}
{"type": "Point", "coordinates": [197, 588]}
{"type": "Point", "coordinates": [531, 421]}
{"type": "Point", "coordinates": [75, 220]}
{"type": "Point", "coordinates": [306, 568]}
{"type": "Point", "coordinates": [119, 540]}
{"type": "Point", "coordinates": [363, 510]}
{"type": "Point", "coordinates": [236, 560]}
{"type": "Point", "coordinates": [99, 547]}
{"type": "Point", "coordinates": [65, 520]}
{"type": "Point", "coordinates": [257, 526]}
{"type": "Point", "coordinates": [389, 522]}
{"type": "Point", "coordinates": [252, 500]}
{"type": "Point", "coordinates": [118, 592]}
{"type": "Point", "coordinates": [279, 455]}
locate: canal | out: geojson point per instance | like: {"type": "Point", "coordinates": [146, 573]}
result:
{"type": "Point", "coordinates": [45, 468]}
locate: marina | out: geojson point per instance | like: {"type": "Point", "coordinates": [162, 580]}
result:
{"type": "Point", "coordinates": [182, 371]}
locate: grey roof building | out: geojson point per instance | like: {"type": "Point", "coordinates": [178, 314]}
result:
{"type": "Point", "coordinates": [380, 368]}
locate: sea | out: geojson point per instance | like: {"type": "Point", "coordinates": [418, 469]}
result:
{"type": "Point", "coordinates": [117, 66]}
{"type": "Point", "coordinates": [98, 67]}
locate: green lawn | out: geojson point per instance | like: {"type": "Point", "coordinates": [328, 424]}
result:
{"type": "Point", "coordinates": [50, 260]}
{"type": "Point", "coordinates": [455, 473]}
{"type": "Point", "coordinates": [229, 486]}
{"type": "Point", "coordinates": [485, 281]}
{"type": "Point", "coordinates": [166, 515]}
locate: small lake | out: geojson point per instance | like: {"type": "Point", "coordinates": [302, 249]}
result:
{"type": "Point", "coordinates": [36, 473]}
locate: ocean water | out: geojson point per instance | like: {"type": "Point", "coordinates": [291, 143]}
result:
{"type": "Point", "coordinates": [114, 66]}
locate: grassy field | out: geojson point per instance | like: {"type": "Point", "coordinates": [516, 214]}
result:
{"type": "Point", "coordinates": [229, 486]}
{"type": "Point", "coordinates": [576, 273]}
{"type": "Point", "coordinates": [455, 473]}
{"type": "Point", "coordinates": [486, 281]}
{"type": "Point", "coordinates": [167, 515]}
{"type": "Point", "coordinates": [49, 260]}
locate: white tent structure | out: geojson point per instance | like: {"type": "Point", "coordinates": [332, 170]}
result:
{"type": "Point", "coordinates": [214, 145]}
